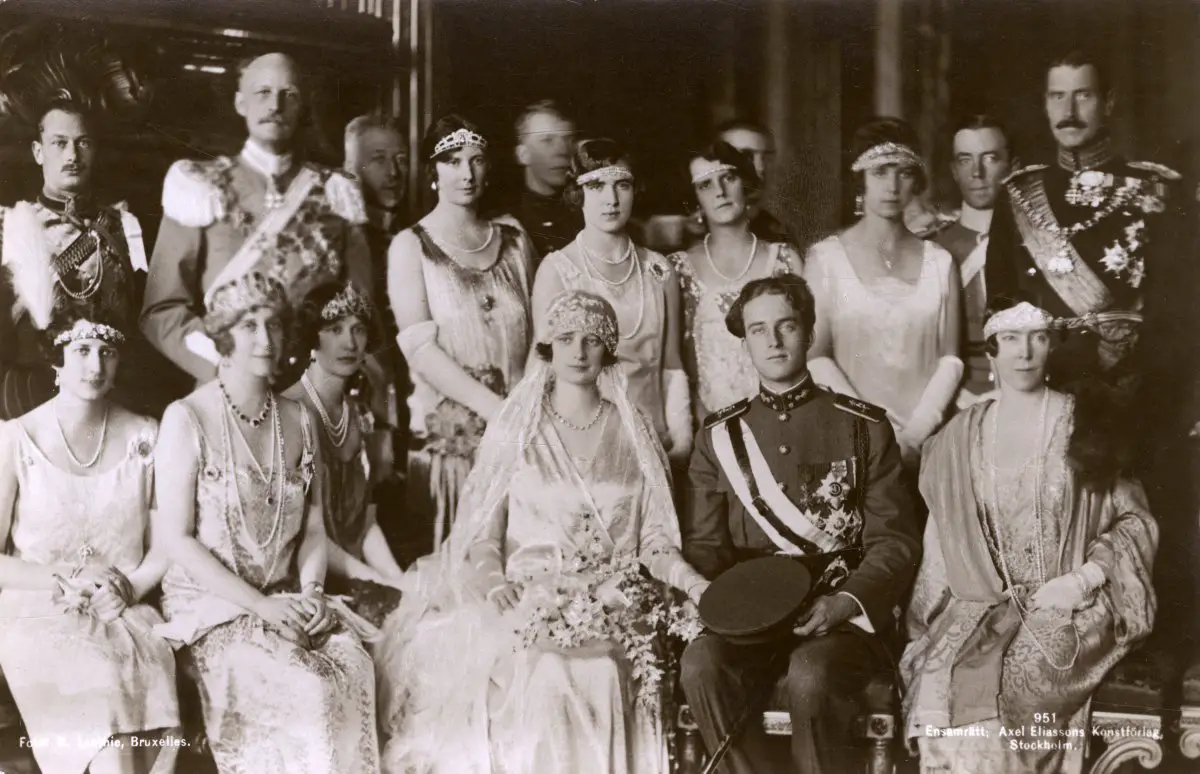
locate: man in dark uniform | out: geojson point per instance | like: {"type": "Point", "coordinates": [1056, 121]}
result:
{"type": "Point", "coordinates": [796, 470]}
{"type": "Point", "coordinates": [545, 142]}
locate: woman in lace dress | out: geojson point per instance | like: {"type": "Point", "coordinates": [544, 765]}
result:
{"type": "Point", "coordinates": [76, 643]}
{"type": "Point", "coordinates": [1036, 576]}
{"type": "Point", "coordinates": [459, 287]}
{"type": "Point", "coordinates": [285, 685]}
{"type": "Point", "coordinates": [887, 302]}
{"type": "Point", "coordinates": [713, 272]}
{"type": "Point", "coordinates": [336, 322]}
{"type": "Point", "coordinates": [639, 283]}
{"type": "Point", "coordinates": [570, 469]}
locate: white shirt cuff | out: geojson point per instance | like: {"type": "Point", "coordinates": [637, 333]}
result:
{"type": "Point", "coordinates": [861, 620]}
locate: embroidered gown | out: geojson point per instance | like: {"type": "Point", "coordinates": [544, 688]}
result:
{"type": "Point", "coordinates": [887, 335]}
{"type": "Point", "coordinates": [498, 707]}
{"type": "Point", "coordinates": [960, 614]}
{"type": "Point", "coordinates": [71, 675]}
{"type": "Point", "coordinates": [483, 324]}
{"type": "Point", "coordinates": [720, 369]}
{"type": "Point", "coordinates": [641, 306]}
{"type": "Point", "coordinates": [270, 706]}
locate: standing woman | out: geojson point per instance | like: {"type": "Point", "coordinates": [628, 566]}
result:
{"type": "Point", "coordinates": [283, 686]}
{"type": "Point", "coordinates": [76, 645]}
{"type": "Point", "coordinates": [337, 323]}
{"type": "Point", "coordinates": [713, 272]}
{"type": "Point", "coordinates": [639, 283]}
{"type": "Point", "coordinates": [887, 301]}
{"type": "Point", "coordinates": [459, 288]}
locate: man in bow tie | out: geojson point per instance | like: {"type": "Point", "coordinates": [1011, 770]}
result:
{"type": "Point", "coordinates": [222, 214]}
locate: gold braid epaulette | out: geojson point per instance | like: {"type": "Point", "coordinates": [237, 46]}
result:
{"type": "Point", "coordinates": [1023, 171]}
{"type": "Point", "coordinates": [859, 408]}
{"type": "Point", "coordinates": [727, 413]}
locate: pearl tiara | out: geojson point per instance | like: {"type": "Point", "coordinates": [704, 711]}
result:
{"type": "Point", "coordinates": [613, 173]}
{"type": "Point", "coordinates": [250, 291]}
{"type": "Point", "coordinates": [459, 138]}
{"type": "Point", "coordinates": [886, 153]}
{"type": "Point", "coordinates": [347, 303]}
{"type": "Point", "coordinates": [1022, 317]}
{"type": "Point", "coordinates": [707, 168]}
{"type": "Point", "coordinates": [86, 329]}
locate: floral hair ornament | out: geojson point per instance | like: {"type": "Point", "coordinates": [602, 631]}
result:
{"type": "Point", "coordinates": [1021, 318]}
{"type": "Point", "coordinates": [576, 311]}
{"type": "Point", "coordinates": [614, 173]}
{"type": "Point", "coordinates": [708, 168]}
{"type": "Point", "coordinates": [86, 329]}
{"type": "Point", "coordinates": [230, 301]}
{"type": "Point", "coordinates": [459, 138]}
{"type": "Point", "coordinates": [886, 153]}
{"type": "Point", "coordinates": [347, 303]}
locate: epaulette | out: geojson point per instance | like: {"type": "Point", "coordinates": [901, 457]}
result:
{"type": "Point", "coordinates": [1023, 171]}
{"type": "Point", "coordinates": [727, 413]}
{"type": "Point", "coordinates": [192, 194]}
{"type": "Point", "coordinates": [859, 408]}
{"type": "Point", "coordinates": [942, 221]}
{"type": "Point", "coordinates": [344, 194]}
{"type": "Point", "coordinates": [1166, 173]}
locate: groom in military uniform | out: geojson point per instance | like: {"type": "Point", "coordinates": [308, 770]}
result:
{"type": "Point", "coordinates": [796, 470]}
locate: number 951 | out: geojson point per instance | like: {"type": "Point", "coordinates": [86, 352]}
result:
{"type": "Point", "coordinates": [1044, 717]}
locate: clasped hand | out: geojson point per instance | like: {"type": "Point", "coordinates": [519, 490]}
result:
{"type": "Point", "coordinates": [111, 592]}
{"type": "Point", "coordinates": [1062, 593]}
{"type": "Point", "coordinates": [297, 618]}
{"type": "Point", "coordinates": [824, 614]}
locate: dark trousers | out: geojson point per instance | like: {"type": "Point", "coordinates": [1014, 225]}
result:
{"type": "Point", "coordinates": [824, 676]}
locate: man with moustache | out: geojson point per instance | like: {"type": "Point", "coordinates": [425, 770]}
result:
{"type": "Point", "coordinates": [65, 249]}
{"type": "Point", "coordinates": [981, 161]}
{"type": "Point", "coordinates": [233, 209]}
{"type": "Point", "coordinates": [545, 142]}
{"type": "Point", "coordinates": [800, 471]}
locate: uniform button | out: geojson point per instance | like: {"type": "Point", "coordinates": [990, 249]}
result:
{"type": "Point", "coordinates": [783, 417]}
{"type": "Point", "coordinates": [783, 487]}
{"type": "Point", "coordinates": [991, 378]}
{"type": "Point", "coordinates": [1031, 272]}
{"type": "Point", "coordinates": [784, 449]}
{"type": "Point", "coordinates": [548, 224]}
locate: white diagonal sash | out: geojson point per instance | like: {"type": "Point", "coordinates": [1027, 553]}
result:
{"type": "Point", "coordinates": [274, 222]}
{"type": "Point", "coordinates": [974, 261]}
{"type": "Point", "coordinates": [771, 493]}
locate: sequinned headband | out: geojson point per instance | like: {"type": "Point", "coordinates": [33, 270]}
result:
{"type": "Point", "coordinates": [347, 303]}
{"type": "Point", "coordinates": [1022, 317]}
{"type": "Point", "coordinates": [613, 173]}
{"type": "Point", "coordinates": [575, 311]}
{"type": "Point", "coordinates": [459, 138]}
{"type": "Point", "coordinates": [707, 168]}
{"type": "Point", "coordinates": [887, 153]}
{"type": "Point", "coordinates": [86, 329]}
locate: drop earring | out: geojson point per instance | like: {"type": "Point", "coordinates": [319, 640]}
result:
{"type": "Point", "coordinates": [433, 186]}
{"type": "Point", "coordinates": [858, 205]}
{"type": "Point", "coordinates": [57, 378]}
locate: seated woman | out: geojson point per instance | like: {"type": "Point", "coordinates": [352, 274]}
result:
{"type": "Point", "coordinates": [283, 685]}
{"type": "Point", "coordinates": [568, 501]}
{"type": "Point", "coordinates": [639, 284]}
{"type": "Point", "coordinates": [76, 645]}
{"type": "Point", "coordinates": [887, 301]}
{"type": "Point", "coordinates": [712, 273]}
{"type": "Point", "coordinates": [1036, 577]}
{"type": "Point", "coordinates": [335, 322]}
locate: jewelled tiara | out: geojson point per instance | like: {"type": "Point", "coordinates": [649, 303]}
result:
{"type": "Point", "coordinates": [887, 153]}
{"type": "Point", "coordinates": [249, 291]}
{"type": "Point", "coordinates": [459, 138]}
{"type": "Point", "coordinates": [613, 173]}
{"type": "Point", "coordinates": [86, 329]}
{"type": "Point", "coordinates": [708, 168]}
{"type": "Point", "coordinates": [1022, 317]}
{"type": "Point", "coordinates": [347, 303]}
{"type": "Point", "coordinates": [576, 311]}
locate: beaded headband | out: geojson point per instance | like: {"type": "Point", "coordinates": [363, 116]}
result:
{"type": "Point", "coordinates": [85, 329]}
{"type": "Point", "coordinates": [707, 168]}
{"type": "Point", "coordinates": [459, 138]}
{"type": "Point", "coordinates": [576, 311]}
{"type": "Point", "coordinates": [250, 291]}
{"type": "Point", "coordinates": [347, 303]}
{"type": "Point", "coordinates": [887, 153]}
{"type": "Point", "coordinates": [614, 173]}
{"type": "Point", "coordinates": [1022, 317]}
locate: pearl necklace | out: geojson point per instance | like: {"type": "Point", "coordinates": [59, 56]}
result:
{"type": "Point", "coordinates": [337, 432]}
{"type": "Point", "coordinates": [745, 269]}
{"type": "Point", "coordinates": [572, 425]}
{"type": "Point", "coordinates": [1023, 612]}
{"type": "Point", "coordinates": [625, 256]}
{"type": "Point", "coordinates": [491, 235]}
{"type": "Point", "coordinates": [277, 500]}
{"type": "Point", "coordinates": [635, 263]}
{"type": "Point", "coordinates": [99, 447]}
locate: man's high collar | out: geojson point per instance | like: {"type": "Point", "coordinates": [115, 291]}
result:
{"type": "Point", "coordinates": [264, 161]}
{"type": "Point", "coordinates": [1091, 156]}
{"type": "Point", "coordinates": [976, 220]}
{"type": "Point", "coordinates": [790, 398]}
{"type": "Point", "coordinates": [382, 219]}
{"type": "Point", "coordinates": [81, 205]}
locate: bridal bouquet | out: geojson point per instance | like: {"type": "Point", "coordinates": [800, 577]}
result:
{"type": "Point", "coordinates": [603, 598]}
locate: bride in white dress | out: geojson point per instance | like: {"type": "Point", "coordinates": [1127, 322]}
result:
{"type": "Point", "coordinates": [570, 480]}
